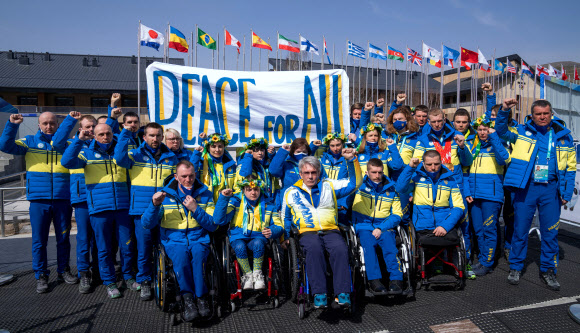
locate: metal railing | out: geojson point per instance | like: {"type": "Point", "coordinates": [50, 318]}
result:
{"type": "Point", "coordinates": [21, 176]}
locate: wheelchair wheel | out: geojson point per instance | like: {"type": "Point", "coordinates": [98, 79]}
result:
{"type": "Point", "coordinates": [301, 310]}
{"type": "Point", "coordinates": [213, 276]}
{"type": "Point", "coordinates": [160, 280]}
{"type": "Point", "coordinates": [293, 269]}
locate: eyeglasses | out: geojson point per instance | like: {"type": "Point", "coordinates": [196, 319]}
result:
{"type": "Point", "coordinates": [172, 139]}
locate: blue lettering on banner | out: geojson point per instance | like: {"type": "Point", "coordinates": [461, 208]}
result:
{"type": "Point", "coordinates": [222, 112]}
{"type": "Point", "coordinates": [188, 109]}
{"type": "Point", "coordinates": [292, 124]}
{"type": "Point", "coordinates": [335, 97]}
{"type": "Point", "coordinates": [208, 109]}
{"type": "Point", "coordinates": [245, 117]}
{"type": "Point", "coordinates": [311, 116]}
{"type": "Point", "coordinates": [159, 92]}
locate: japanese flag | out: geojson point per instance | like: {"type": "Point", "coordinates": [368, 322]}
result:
{"type": "Point", "coordinates": [150, 37]}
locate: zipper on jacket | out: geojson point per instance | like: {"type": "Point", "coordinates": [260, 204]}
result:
{"type": "Point", "coordinates": [112, 180]}
{"type": "Point", "coordinates": [51, 176]}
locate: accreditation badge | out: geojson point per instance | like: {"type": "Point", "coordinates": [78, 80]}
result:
{"type": "Point", "coordinates": [541, 173]}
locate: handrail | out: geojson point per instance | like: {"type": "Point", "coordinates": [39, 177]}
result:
{"type": "Point", "coordinates": [13, 175]}
{"type": "Point", "coordinates": [2, 201]}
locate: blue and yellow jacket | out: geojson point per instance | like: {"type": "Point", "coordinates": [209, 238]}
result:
{"type": "Point", "coordinates": [183, 154]}
{"type": "Point", "coordinates": [135, 139]}
{"type": "Point", "coordinates": [376, 208]}
{"type": "Point", "coordinates": [225, 171]}
{"type": "Point", "coordinates": [248, 166]}
{"type": "Point", "coordinates": [178, 225]}
{"type": "Point", "coordinates": [60, 141]}
{"type": "Point", "coordinates": [460, 157]}
{"type": "Point", "coordinates": [145, 173]}
{"type": "Point", "coordinates": [438, 204]}
{"type": "Point", "coordinates": [231, 210]}
{"type": "Point", "coordinates": [335, 169]}
{"type": "Point", "coordinates": [316, 209]}
{"type": "Point", "coordinates": [390, 156]}
{"type": "Point", "coordinates": [365, 118]}
{"type": "Point", "coordinates": [406, 143]}
{"type": "Point", "coordinates": [106, 182]}
{"type": "Point", "coordinates": [46, 177]}
{"type": "Point", "coordinates": [525, 150]}
{"type": "Point", "coordinates": [485, 179]}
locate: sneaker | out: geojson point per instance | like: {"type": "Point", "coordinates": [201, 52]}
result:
{"type": "Point", "coordinates": [132, 284]}
{"type": "Point", "coordinates": [189, 308]}
{"type": "Point", "coordinates": [145, 290]}
{"type": "Point", "coordinates": [481, 270]}
{"type": "Point", "coordinates": [469, 271]}
{"type": "Point", "coordinates": [376, 286]}
{"type": "Point", "coordinates": [438, 266]}
{"type": "Point", "coordinates": [343, 299]}
{"type": "Point", "coordinates": [42, 284]}
{"type": "Point", "coordinates": [549, 278]}
{"type": "Point", "coordinates": [258, 278]}
{"type": "Point", "coordinates": [248, 281]}
{"type": "Point", "coordinates": [67, 277]}
{"type": "Point", "coordinates": [514, 277]}
{"type": "Point", "coordinates": [320, 301]}
{"type": "Point", "coordinates": [85, 285]}
{"type": "Point", "coordinates": [396, 287]}
{"type": "Point", "coordinates": [113, 291]}
{"type": "Point", "coordinates": [203, 307]}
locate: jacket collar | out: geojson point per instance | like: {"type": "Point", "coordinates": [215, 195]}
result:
{"type": "Point", "coordinates": [94, 146]}
{"type": "Point", "coordinates": [385, 184]}
{"type": "Point", "coordinates": [445, 172]}
{"type": "Point", "coordinates": [171, 187]}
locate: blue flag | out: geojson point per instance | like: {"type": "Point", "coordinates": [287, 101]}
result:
{"type": "Point", "coordinates": [7, 107]}
{"type": "Point", "coordinates": [499, 66]}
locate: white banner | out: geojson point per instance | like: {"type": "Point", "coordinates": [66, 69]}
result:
{"type": "Point", "coordinates": [279, 106]}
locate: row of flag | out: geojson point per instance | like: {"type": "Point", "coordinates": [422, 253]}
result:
{"type": "Point", "coordinates": [450, 57]}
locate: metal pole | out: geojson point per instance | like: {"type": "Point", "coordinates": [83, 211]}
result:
{"type": "Point", "coordinates": [138, 88]}
{"type": "Point", "coordinates": [2, 226]}
{"type": "Point", "coordinates": [458, 76]}
{"type": "Point", "coordinates": [333, 55]}
{"type": "Point", "coordinates": [300, 60]}
{"type": "Point", "coordinates": [196, 39]}
{"type": "Point", "coordinates": [277, 49]}
{"type": "Point", "coordinates": [322, 53]}
{"type": "Point", "coordinates": [244, 57]}
{"type": "Point", "coordinates": [224, 50]}
{"type": "Point", "coordinates": [367, 75]}
{"type": "Point", "coordinates": [251, 47]}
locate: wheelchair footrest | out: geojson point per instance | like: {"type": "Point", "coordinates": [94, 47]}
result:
{"type": "Point", "coordinates": [442, 279]}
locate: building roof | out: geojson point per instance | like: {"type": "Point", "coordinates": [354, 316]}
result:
{"type": "Point", "coordinates": [46, 71]}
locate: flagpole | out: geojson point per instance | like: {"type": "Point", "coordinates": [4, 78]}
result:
{"type": "Point", "coordinates": [359, 79]}
{"type": "Point", "coordinates": [322, 53]}
{"type": "Point", "coordinates": [139, 70]}
{"type": "Point", "coordinates": [277, 48]}
{"type": "Point", "coordinates": [458, 76]}
{"type": "Point", "coordinates": [492, 74]}
{"type": "Point", "coordinates": [535, 75]}
{"type": "Point", "coordinates": [367, 74]}
{"type": "Point", "coordinates": [410, 98]}
{"type": "Point", "coordinates": [244, 57]}
{"type": "Point", "coordinates": [196, 39]}
{"type": "Point", "coordinates": [224, 50]}
{"type": "Point", "coordinates": [387, 92]}
{"type": "Point", "coordinates": [441, 85]}
{"type": "Point", "coordinates": [527, 93]}
{"type": "Point", "coordinates": [188, 53]}
{"type": "Point", "coordinates": [168, 34]}
{"type": "Point", "coordinates": [373, 80]}
{"type": "Point", "coordinates": [476, 85]}
{"type": "Point", "coordinates": [333, 55]}
{"type": "Point", "coordinates": [300, 49]}
{"type": "Point", "coordinates": [259, 59]}
{"type": "Point", "coordinates": [311, 60]}
{"type": "Point", "coordinates": [350, 95]}
{"type": "Point", "coordinates": [218, 51]}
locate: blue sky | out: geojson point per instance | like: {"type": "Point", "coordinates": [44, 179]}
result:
{"type": "Point", "coordinates": [536, 31]}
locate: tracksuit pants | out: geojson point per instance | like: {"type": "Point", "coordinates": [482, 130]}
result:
{"type": "Point", "coordinates": [508, 218]}
{"type": "Point", "coordinates": [255, 244]}
{"type": "Point", "coordinates": [86, 245]}
{"type": "Point", "coordinates": [484, 217]}
{"type": "Point", "coordinates": [145, 239]}
{"type": "Point", "coordinates": [188, 265]}
{"type": "Point", "coordinates": [464, 224]}
{"type": "Point", "coordinates": [105, 224]}
{"type": "Point", "coordinates": [314, 244]}
{"type": "Point", "coordinates": [388, 244]}
{"type": "Point", "coordinates": [545, 197]}
{"type": "Point", "coordinates": [42, 212]}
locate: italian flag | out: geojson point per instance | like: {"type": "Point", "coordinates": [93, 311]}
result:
{"type": "Point", "coordinates": [288, 44]}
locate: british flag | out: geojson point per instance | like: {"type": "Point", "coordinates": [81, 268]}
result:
{"type": "Point", "coordinates": [414, 57]}
{"type": "Point", "coordinates": [511, 68]}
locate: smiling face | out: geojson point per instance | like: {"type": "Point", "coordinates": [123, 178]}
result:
{"type": "Point", "coordinates": [217, 149]}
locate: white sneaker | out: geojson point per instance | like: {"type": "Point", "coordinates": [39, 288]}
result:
{"type": "Point", "coordinates": [248, 281]}
{"type": "Point", "coordinates": [259, 280]}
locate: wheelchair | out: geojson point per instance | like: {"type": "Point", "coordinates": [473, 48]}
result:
{"type": "Point", "coordinates": [299, 288]}
{"type": "Point", "coordinates": [166, 288]}
{"type": "Point", "coordinates": [451, 259]}
{"type": "Point", "coordinates": [404, 255]}
{"type": "Point", "coordinates": [233, 275]}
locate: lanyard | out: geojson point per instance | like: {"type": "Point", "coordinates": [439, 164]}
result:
{"type": "Point", "coordinates": [402, 141]}
{"type": "Point", "coordinates": [549, 147]}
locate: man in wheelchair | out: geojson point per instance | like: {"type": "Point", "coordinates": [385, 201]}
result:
{"type": "Point", "coordinates": [254, 220]}
{"type": "Point", "coordinates": [376, 213]}
{"type": "Point", "coordinates": [310, 206]}
{"type": "Point", "coordinates": [184, 210]}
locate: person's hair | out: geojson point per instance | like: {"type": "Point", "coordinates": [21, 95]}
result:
{"type": "Point", "coordinates": [422, 108]}
{"type": "Point", "coordinates": [300, 142]}
{"type": "Point", "coordinates": [89, 118]}
{"type": "Point", "coordinates": [102, 117]}
{"type": "Point", "coordinates": [130, 114]}
{"type": "Point", "coordinates": [431, 153]}
{"type": "Point", "coordinates": [177, 135]}
{"type": "Point", "coordinates": [411, 123]}
{"type": "Point", "coordinates": [309, 160]}
{"type": "Point", "coordinates": [356, 106]}
{"type": "Point", "coordinates": [375, 162]}
{"type": "Point", "coordinates": [184, 163]}
{"type": "Point", "coordinates": [462, 112]}
{"type": "Point", "coordinates": [153, 126]}
{"type": "Point", "coordinates": [435, 112]}
{"type": "Point", "coordinates": [541, 103]}
{"type": "Point", "coordinates": [363, 142]}
{"type": "Point", "coordinates": [496, 107]}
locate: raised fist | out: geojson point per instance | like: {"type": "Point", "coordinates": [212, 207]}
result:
{"type": "Point", "coordinates": [158, 198]}
{"type": "Point", "coordinates": [348, 153]}
{"type": "Point", "coordinates": [414, 162]}
{"type": "Point", "coordinates": [491, 130]}
{"type": "Point", "coordinates": [190, 203]}
{"type": "Point", "coordinates": [369, 106]}
{"type": "Point", "coordinates": [509, 103]}
{"type": "Point", "coordinates": [116, 97]}
{"type": "Point", "coordinates": [380, 118]}
{"type": "Point", "coordinates": [16, 118]}
{"type": "Point", "coordinates": [271, 149]}
{"type": "Point", "coordinates": [380, 102]}
{"type": "Point", "coordinates": [460, 139]}
{"type": "Point", "coordinates": [228, 192]}
{"type": "Point", "coordinates": [390, 142]}
{"type": "Point", "coordinates": [486, 87]}
{"type": "Point", "coordinates": [199, 148]}
{"type": "Point", "coordinates": [317, 142]}
{"type": "Point", "coordinates": [75, 114]}
{"type": "Point", "coordinates": [85, 135]}
{"type": "Point", "coordinates": [286, 147]}
{"type": "Point", "coordinates": [401, 98]}
{"type": "Point", "coordinates": [203, 135]}
{"type": "Point", "coordinates": [352, 137]}
{"type": "Point", "coordinates": [116, 113]}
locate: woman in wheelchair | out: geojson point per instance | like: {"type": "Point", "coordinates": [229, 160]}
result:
{"type": "Point", "coordinates": [184, 209]}
{"type": "Point", "coordinates": [254, 220]}
{"type": "Point", "coordinates": [376, 212]}
{"type": "Point", "coordinates": [256, 161]}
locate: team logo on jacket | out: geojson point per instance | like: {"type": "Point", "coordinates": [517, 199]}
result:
{"type": "Point", "coordinates": [562, 141]}
{"type": "Point", "coordinates": [166, 160]}
{"type": "Point", "coordinates": [97, 155]}
{"type": "Point", "coordinates": [422, 179]}
{"type": "Point", "coordinates": [146, 159]}
{"type": "Point", "coordinates": [41, 145]}
{"type": "Point", "coordinates": [172, 200]}
{"type": "Point", "coordinates": [408, 141]}
{"type": "Point", "coordinates": [489, 149]}
{"type": "Point", "coordinates": [361, 157]}
{"type": "Point", "coordinates": [528, 133]}
{"type": "Point", "coordinates": [431, 143]}
{"type": "Point", "coordinates": [445, 182]}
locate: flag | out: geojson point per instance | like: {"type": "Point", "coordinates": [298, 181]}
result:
{"type": "Point", "coordinates": [356, 51]}
{"type": "Point", "coordinates": [177, 40]}
{"type": "Point", "coordinates": [499, 66]}
{"type": "Point", "coordinates": [541, 70]}
{"type": "Point", "coordinates": [151, 38]}
{"type": "Point", "coordinates": [232, 41]}
{"type": "Point", "coordinates": [414, 57]}
{"type": "Point", "coordinates": [576, 77]}
{"type": "Point", "coordinates": [432, 55]}
{"type": "Point", "coordinates": [469, 58]}
{"type": "Point", "coordinates": [206, 40]}
{"type": "Point", "coordinates": [564, 76]}
{"type": "Point", "coordinates": [394, 54]}
{"type": "Point", "coordinates": [326, 52]}
{"type": "Point", "coordinates": [306, 45]}
{"type": "Point", "coordinates": [526, 69]}
{"type": "Point", "coordinates": [259, 43]}
{"type": "Point", "coordinates": [377, 52]}
{"type": "Point", "coordinates": [483, 64]}
{"type": "Point", "coordinates": [511, 68]}
{"type": "Point", "coordinates": [450, 56]}
{"type": "Point", "coordinates": [288, 44]}
{"type": "Point", "coordinates": [554, 72]}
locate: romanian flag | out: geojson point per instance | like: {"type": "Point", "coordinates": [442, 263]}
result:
{"type": "Point", "coordinates": [177, 40]}
{"type": "Point", "coordinates": [259, 43]}
{"type": "Point", "coordinates": [206, 40]}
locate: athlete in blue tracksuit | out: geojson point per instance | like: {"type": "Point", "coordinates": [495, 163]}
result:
{"type": "Point", "coordinates": [149, 165]}
{"type": "Point", "coordinates": [256, 161]}
{"type": "Point", "coordinates": [542, 173]}
{"type": "Point", "coordinates": [108, 201]}
{"type": "Point", "coordinates": [85, 236]}
{"type": "Point", "coordinates": [47, 189]}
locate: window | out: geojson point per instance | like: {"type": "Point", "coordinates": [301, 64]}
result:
{"type": "Point", "coordinates": [27, 100]}
{"type": "Point", "coordinates": [130, 102]}
{"type": "Point", "coordinates": [99, 102]}
{"type": "Point", "coordinates": [64, 101]}
{"type": "Point", "coordinates": [463, 98]}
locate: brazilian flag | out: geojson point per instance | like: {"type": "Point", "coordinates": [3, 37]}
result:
{"type": "Point", "coordinates": [206, 40]}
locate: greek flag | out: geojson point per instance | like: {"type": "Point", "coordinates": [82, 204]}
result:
{"type": "Point", "coordinates": [356, 51]}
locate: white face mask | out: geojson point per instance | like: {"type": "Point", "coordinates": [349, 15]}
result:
{"type": "Point", "coordinates": [298, 154]}
{"type": "Point", "coordinates": [185, 187]}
